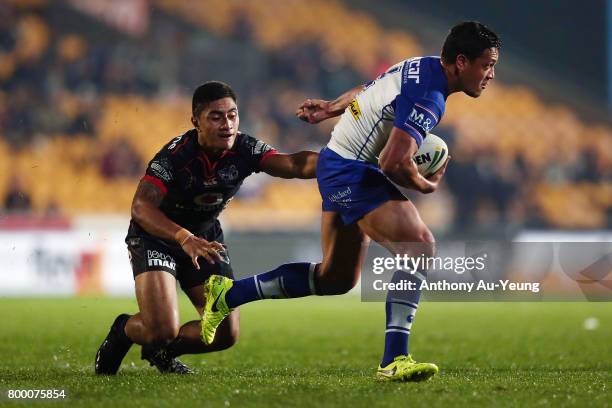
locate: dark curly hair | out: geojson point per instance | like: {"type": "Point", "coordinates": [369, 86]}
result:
{"type": "Point", "coordinates": [208, 92]}
{"type": "Point", "coordinates": [469, 38]}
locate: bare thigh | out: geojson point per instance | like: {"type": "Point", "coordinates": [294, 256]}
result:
{"type": "Point", "coordinates": [397, 226]}
{"type": "Point", "coordinates": [157, 301]}
{"type": "Point", "coordinates": [344, 248]}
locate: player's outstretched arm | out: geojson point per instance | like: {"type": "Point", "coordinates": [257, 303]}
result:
{"type": "Point", "coordinates": [318, 110]}
{"type": "Point", "coordinates": [146, 212]}
{"type": "Point", "coordinates": [297, 165]}
{"type": "Point", "coordinates": [396, 162]}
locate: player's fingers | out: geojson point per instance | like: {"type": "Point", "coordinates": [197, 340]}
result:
{"type": "Point", "coordinates": [316, 117]}
{"type": "Point", "coordinates": [211, 253]}
{"type": "Point", "coordinates": [214, 254]}
{"type": "Point", "coordinates": [211, 246]}
{"type": "Point", "coordinates": [194, 259]}
{"type": "Point", "coordinates": [304, 105]}
{"type": "Point", "coordinates": [217, 246]}
{"type": "Point", "coordinates": [207, 257]}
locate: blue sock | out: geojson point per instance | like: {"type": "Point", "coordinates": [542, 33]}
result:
{"type": "Point", "coordinates": [292, 280]}
{"type": "Point", "coordinates": [400, 308]}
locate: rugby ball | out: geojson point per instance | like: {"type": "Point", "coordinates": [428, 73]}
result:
{"type": "Point", "coordinates": [431, 155]}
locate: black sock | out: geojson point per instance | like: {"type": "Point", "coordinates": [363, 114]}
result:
{"type": "Point", "coordinates": [123, 337]}
{"type": "Point", "coordinates": [173, 347]}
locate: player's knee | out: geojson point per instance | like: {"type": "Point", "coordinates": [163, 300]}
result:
{"type": "Point", "coordinates": [422, 243]}
{"type": "Point", "coordinates": [343, 287]}
{"type": "Point", "coordinates": [428, 242]}
{"type": "Point", "coordinates": [163, 333]}
{"type": "Point", "coordinates": [332, 283]}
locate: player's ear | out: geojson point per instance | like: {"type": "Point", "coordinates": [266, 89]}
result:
{"type": "Point", "coordinates": [461, 62]}
{"type": "Point", "coordinates": [195, 123]}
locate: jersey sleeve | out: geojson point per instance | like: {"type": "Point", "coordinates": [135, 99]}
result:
{"type": "Point", "coordinates": [416, 118]}
{"type": "Point", "coordinates": [256, 151]}
{"type": "Point", "coordinates": [160, 171]}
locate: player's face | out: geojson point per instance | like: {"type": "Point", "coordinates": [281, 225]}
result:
{"type": "Point", "coordinates": [218, 124]}
{"type": "Point", "coordinates": [475, 75]}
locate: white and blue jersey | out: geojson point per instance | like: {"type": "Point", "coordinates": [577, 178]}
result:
{"type": "Point", "coordinates": [411, 96]}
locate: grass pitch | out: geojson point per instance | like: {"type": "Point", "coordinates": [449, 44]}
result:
{"type": "Point", "coordinates": [321, 352]}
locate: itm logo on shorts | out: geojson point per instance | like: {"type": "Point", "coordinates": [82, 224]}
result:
{"type": "Point", "coordinates": [156, 258]}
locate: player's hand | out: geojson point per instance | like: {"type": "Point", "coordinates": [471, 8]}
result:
{"type": "Point", "coordinates": [209, 250]}
{"type": "Point", "coordinates": [313, 111]}
{"type": "Point", "coordinates": [437, 176]}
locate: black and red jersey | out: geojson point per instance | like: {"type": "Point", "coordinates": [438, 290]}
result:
{"type": "Point", "coordinates": [197, 187]}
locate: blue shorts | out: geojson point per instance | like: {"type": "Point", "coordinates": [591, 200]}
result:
{"type": "Point", "coordinates": [352, 188]}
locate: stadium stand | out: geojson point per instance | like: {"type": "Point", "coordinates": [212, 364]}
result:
{"type": "Point", "coordinates": [68, 95]}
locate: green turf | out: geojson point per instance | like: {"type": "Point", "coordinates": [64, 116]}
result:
{"type": "Point", "coordinates": [323, 351]}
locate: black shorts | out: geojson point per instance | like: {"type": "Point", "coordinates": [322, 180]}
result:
{"type": "Point", "coordinates": [148, 253]}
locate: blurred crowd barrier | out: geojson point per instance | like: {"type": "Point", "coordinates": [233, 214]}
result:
{"type": "Point", "coordinates": [87, 256]}
{"type": "Point", "coordinates": [86, 100]}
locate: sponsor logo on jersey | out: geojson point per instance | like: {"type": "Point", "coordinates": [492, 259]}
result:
{"type": "Point", "coordinates": [228, 174]}
{"type": "Point", "coordinates": [210, 182]}
{"type": "Point", "coordinates": [260, 147]}
{"type": "Point", "coordinates": [209, 201]}
{"type": "Point", "coordinates": [422, 118]}
{"type": "Point", "coordinates": [354, 108]}
{"type": "Point", "coordinates": [174, 142]}
{"type": "Point", "coordinates": [156, 258]}
{"type": "Point", "coordinates": [160, 169]}
{"type": "Point", "coordinates": [413, 71]}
